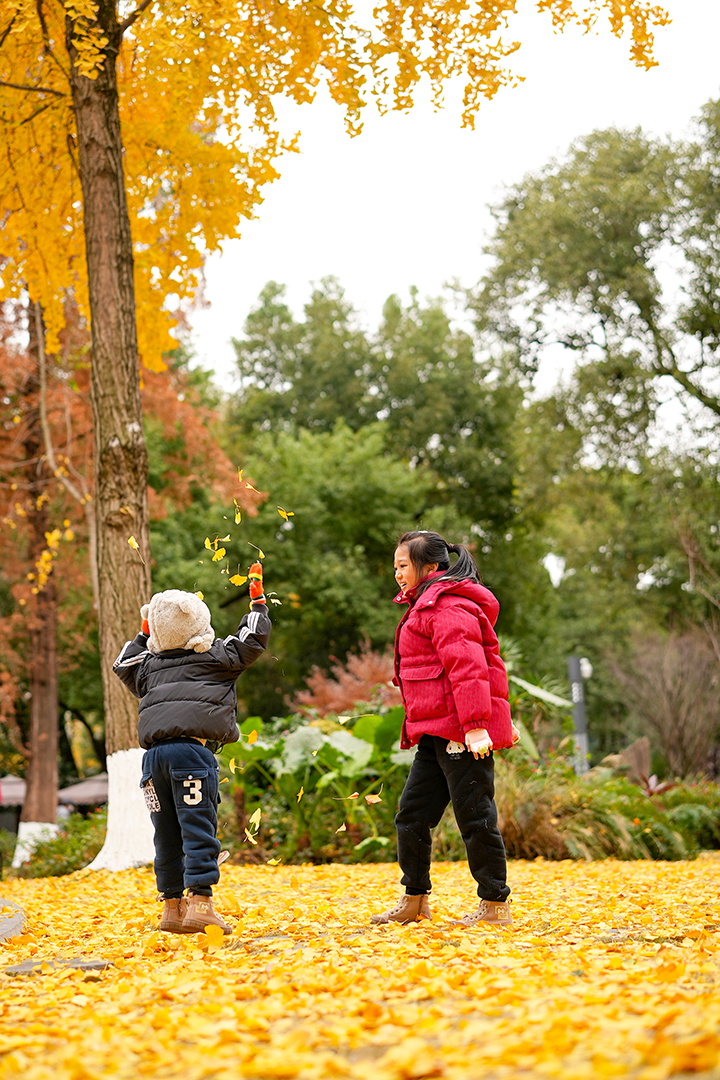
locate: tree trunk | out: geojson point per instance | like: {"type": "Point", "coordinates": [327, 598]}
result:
{"type": "Point", "coordinates": [39, 811]}
{"type": "Point", "coordinates": [121, 467]}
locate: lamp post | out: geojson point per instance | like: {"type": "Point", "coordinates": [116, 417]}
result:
{"type": "Point", "coordinates": [579, 669]}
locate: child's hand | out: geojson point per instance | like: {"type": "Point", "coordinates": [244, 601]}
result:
{"type": "Point", "coordinates": [255, 574]}
{"type": "Point", "coordinates": [478, 742]}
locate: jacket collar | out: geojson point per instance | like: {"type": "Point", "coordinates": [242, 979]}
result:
{"type": "Point", "coordinates": [409, 596]}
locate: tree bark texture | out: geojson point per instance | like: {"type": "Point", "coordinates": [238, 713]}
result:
{"type": "Point", "coordinates": [121, 466]}
{"type": "Point", "coordinates": [42, 769]}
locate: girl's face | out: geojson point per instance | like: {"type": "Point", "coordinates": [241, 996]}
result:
{"type": "Point", "coordinates": [406, 575]}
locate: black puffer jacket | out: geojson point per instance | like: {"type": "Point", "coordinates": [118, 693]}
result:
{"type": "Point", "coordinates": [192, 694]}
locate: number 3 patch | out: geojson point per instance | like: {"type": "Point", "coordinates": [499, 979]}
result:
{"type": "Point", "coordinates": [194, 794]}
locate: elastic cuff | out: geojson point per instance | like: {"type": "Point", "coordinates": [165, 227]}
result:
{"type": "Point", "coordinates": [417, 892]}
{"type": "Point", "coordinates": [200, 890]}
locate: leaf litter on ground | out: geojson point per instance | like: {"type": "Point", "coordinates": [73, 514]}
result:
{"type": "Point", "coordinates": [610, 969]}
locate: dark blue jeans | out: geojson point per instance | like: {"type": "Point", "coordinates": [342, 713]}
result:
{"type": "Point", "coordinates": [437, 777]}
{"type": "Point", "coordinates": [185, 777]}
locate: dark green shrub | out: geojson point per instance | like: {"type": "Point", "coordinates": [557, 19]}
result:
{"type": "Point", "coordinates": [75, 846]}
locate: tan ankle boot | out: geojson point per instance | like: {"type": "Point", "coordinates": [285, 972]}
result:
{"type": "Point", "coordinates": [408, 909]}
{"type": "Point", "coordinates": [173, 914]}
{"type": "Point", "coordinates": [494, 912]}
{"type": "Point", "coordinates": [201, 913]}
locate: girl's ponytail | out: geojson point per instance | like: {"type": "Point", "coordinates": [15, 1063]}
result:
{"type": "Point", "coordinates": [425, 548]}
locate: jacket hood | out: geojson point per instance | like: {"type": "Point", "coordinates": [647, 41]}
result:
{"type": "Point", "coordinates": [465, 588]}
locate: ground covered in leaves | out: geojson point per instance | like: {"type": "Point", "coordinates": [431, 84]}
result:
{"type": "Point", "coordinates": [611, 969]}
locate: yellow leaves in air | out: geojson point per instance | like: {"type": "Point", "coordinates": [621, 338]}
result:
{"type": "Point", "coordinates": [136, 547]}
{"type": "Point", "coordinates": [238, 579]}
{"type": "Point", "coordinates": [599, 976]}
{"type": "Point", "coordinates": [300, 793]}
{"type": "Point", "coordinates": [285, 514]}
{"type": "Point", "coordinates": [200, 595]}
{"type": "Point", "coordinates": [238, 512]}
{"type": "Point", "coordinates": [254, 826]}
{"type": "Point", "coordinates": [252, 737]}
{"type": "Point", "coordinates": [343, 828]}
{"type": "Point", "coordinates": [219, 554]}
{"type": "Point", "coordinates": [255, 818]}
{"type": "Point", "coordinates": [261, 553]}
{"type": "Point", "coordinates": [250, 837]}
{"type": "Point", "coordinates": [232, 766]}
{"type": "Point", "coordinates": [371, 799]}
{"type": "Point", "coordinates": [252, 488]}
{"type": "Point", "coordinates": [224, 780]}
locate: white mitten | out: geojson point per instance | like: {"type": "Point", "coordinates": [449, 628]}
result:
{"type": "Point", "coordinates": [478, 742]}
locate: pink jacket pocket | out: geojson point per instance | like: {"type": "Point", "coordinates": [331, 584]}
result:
{"type": "Point", "coordinates": [423, 688]}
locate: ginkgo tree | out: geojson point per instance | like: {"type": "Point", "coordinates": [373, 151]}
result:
{"type": "Point", "coordinates": [136, 137]}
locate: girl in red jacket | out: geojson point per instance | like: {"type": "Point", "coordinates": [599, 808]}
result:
{"type": "Point", "coordinates": [455, 690]}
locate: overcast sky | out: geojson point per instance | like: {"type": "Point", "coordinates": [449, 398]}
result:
{"type": "Point", "coordinates": [405, 203]}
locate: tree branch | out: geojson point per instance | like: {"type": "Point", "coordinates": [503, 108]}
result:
{"type": "Point", "coordinates": [34, 89]}
{"type": "Point", "coordinates": [134, 16]}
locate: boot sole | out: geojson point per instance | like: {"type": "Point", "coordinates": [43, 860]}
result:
{"type": "Point", "coordinates": [198, 928]}
{"type": "Point", "coordinates": [174, 928]}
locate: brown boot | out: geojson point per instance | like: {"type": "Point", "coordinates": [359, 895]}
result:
{"type": "Point", "coordinates": [201, 913]}
{"type": "Point", "coordinates": [494, 912]}
{"type": "Point", "coordinates": [173, 914]}
{"type": "Point", "coordinates": [408, 909]}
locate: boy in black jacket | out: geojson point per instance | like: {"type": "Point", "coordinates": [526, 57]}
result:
{"type": "Point", "coordinates": [188, 708]}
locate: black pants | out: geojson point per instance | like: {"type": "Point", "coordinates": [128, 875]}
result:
{"type": "Point", "coordinates": [436, 777]}
{"type": "Point", "coordinates": [185, 777]}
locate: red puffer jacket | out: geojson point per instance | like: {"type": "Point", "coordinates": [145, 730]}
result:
{"type": "Point", "coordinates": [448, 665]}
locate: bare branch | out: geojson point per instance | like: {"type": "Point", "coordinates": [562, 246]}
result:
{"type": "Point", "coordinates": [134, 16]}
{"type": "Point", "coordinates": [7, 30]}
{"type": "Point", "coordinates": [35, 89]}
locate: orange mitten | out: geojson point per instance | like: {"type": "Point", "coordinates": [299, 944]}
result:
{"type": "Point", "coordinates": [255, 574]}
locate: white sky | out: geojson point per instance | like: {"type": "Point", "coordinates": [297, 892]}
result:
{"type": "Point", "coordinates": [405, 203]}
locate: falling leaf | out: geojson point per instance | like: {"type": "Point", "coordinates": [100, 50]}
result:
{"type": "Point", "coordinates": [240, 474]}
{"type": "Point", "coordinates": [355, 795]}
{"type": "Point", "coordinates": [274, 862]}
{"type": "Point", "coordinates": [231, 765]}
{"type": "Point", "coordinates": [215, 935]}
{"type": "Point", "coordinates": [219, 554]}
{"type": "Point", "coordinates": [208, 543]}
{"type": "Point", "coordinates": [300, 793]}
{"type": "Point", "coordinates": [136, 547]}
{"type": "Point", "coordinates": [261, 553]}
{"type": "Point", "coordinates": [343, 828]}
{"type": "Point", "coordinates": [238, 512]}
{"type": "Point", "coordinates": [238, 579]}
{"type": "Point", "coordinates": [370, 799]}
{"type": "Point", "coordinates": [224, 780]}
{"type": "Point", "coordinates": [252, 737]}
{"type": "Point", "coordinates": [250, 837]}
{"type": "Point", "coordinates": [273, 600]}
{"type": "Point", "coordinates": [344, 719]}
{"type": "Point", "coordinates": [285, 513]}
{"type": "Point", "coordinates": [255, 819]}
{"type": "Point", "coordinates": [224, 539]}
{"type": "Point", "coordinates": [200, 595]}
{"type": "Point", "coordinates": [247, 485]}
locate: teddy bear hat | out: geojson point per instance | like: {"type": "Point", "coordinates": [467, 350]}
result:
{"type": "Point", "coordinates": [178, 620]}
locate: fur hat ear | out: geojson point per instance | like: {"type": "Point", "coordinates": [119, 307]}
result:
{"type": "Point", "coordinates": [144, 611]}
{"type": "Point", "coordinates": [185, 605]}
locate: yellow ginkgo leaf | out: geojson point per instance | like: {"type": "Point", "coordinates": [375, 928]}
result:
{"type": "Point", "coordinates": [224, 780]}
{"type": "Point", "coordinates": [252, 737]}
{"type": "Point", "coordinates": [250, 837]}
{"type": "Point", "coordinates": [255, 819]}
{"type": "Point", "coordinates": [240, 472]}
{"type": "Point", "coordinates": [274, 862]}
{"type": "Point", "coordinates": [238, 579]}
{"type": "Point", "coordinates": [231, 765]}
{"type": "Point", "coordinates": [238, 517]}
{"type": "Point", "coordinates": [344, 719]}
{"type": "Point", "coordinates": [343, 828]}
{"type": "Point", "coordinates": [300, 793]}
{"type": "Point", "coordinates": [214, 934]}
{"type": "Point", "coordinates": [251, 487]}
{"type": "Point", "coordinates": [200, 595]}
{"type": "Point", "coordinates": [261, 553]}
{"type": "Point", "coordinates": [136, 547]}
{"type": "Point", "coordinates": [224, 539]}
{"type": "Point", "coordinates": [285, 513]}
{"type": "Point", "coordinates": [219, 554]}
{"type": "Point", "coordinates": [372, 799]}
{"type": "Point", "coordinates": [208, 543]}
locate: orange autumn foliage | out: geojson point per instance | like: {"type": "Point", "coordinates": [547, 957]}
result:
{"type": "Point", "coordinates": [364, 678]}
